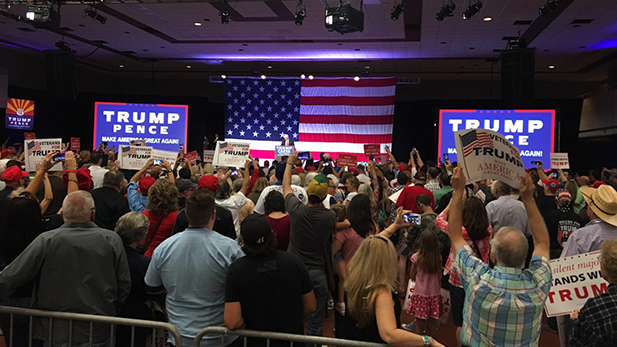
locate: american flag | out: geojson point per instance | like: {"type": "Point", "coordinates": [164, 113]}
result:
{"type": "Point", "coordinates": [330, 115]}
{"type": "Point", "coordinates": [475, 139]}
{"type": "Point", "coordinates": [126, 150]}
{"type": "Point", "coordinates": [33, 146]}
{"type": "Point", "coordinates": [225, 146]}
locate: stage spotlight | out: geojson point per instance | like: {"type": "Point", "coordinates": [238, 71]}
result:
{"type": "Point", "coordinates": [396, 11]}
{"type": "Point", "coordinates": [548, 7]}
{"type": "Point", "coordinates": [300, 16]}
{"type": "Point", "coordinates": [224, 17]}
{"type": "Point", "coordinates": [446, 11]}
{"type": "Point", "coordinates": [263, 77]}
{"type": "Point", "coordinates": [303, 76]}
{"type": "Point", "coordinates": [63, 45]}
{"type": "Point", "coordinates": [471, 10]}
{"type": "Point", "coordinates": [357, 78]}
{"type": "Point", "coordinates": [223, 76]}
{"type": "Point", "coordinates": [310, 77]}
{"type": "Point", "coordinates": [94, 15]}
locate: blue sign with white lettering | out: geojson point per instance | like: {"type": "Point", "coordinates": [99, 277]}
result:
{"type": "Point", "coordinates": [531, 131]}
{"type": "Point", "coordinates": [162, 127]}
{"type": "Point", "coordinates": [283, 151]}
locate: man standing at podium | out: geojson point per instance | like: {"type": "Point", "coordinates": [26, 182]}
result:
{"type": "Point", "coordinates": [287, 141]}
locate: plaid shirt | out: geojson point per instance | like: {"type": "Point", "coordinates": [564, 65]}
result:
{"type": "Point", "coordinates": [432, 185]}
{"type": "Point", "coordinates": [503, 306]}
{"type": "Point", "coordinates": [597, 322]}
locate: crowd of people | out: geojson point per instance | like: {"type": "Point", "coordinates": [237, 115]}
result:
{"type": "Point", "coordinates": [274, 246]}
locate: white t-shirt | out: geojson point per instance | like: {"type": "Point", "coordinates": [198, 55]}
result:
{"type": "Point", "coordinates": [234, 204]}
{"type": "Point", "coordinates": [349, 197]}
{"type": "Point", "coordinates": [364, 178]}
{"type": "Point", "coordinates": [299, 192]}
{"type": "Point", "coordinates": [98, 175]}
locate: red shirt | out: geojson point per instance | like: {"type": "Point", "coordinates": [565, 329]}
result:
{"type": "Point", "coordinates": [281, 228]}
{"type": "Point", "coordinates": [163, 232]}
{"type": "Point", "coordinates": [408, 197]}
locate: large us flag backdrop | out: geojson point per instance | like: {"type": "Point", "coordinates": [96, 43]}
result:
{"type": "Point", "coordinates": [331, 115]}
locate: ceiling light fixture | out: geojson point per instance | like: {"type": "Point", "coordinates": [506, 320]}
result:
{"type": "Point", "coordinates": [357, 78]}
{"type": "Point", "coordinates": [188, 66]}
{"type": "Point", "coordinates": [197, 24]}
{"type": "Point", "coordinates": [310, 77]}
{"type": "Point", "coordinates": [303, 76]}
{"type": "Point", "coordinates": [223, 76]}
{"type": "Point", "coordinates": [263, 77]}
{"type": "Point", "coordinates": [121, 66]}
{"type": "Point", "coordinates": [269, 66]}
{"type": "Point", "coordinates": [91, 12]}
{"type": "Point", "coordinates": [472, 9]}
{"type": "Point", "coordinates": [446, 10]}
{"type": "Point", "coordinates": [551, 66]}
{"type": "Point", "coordinates": [224, 17]}
{"type": "Point", "coordinates": [488, 19]}
{"type": "Point", "coordinates": [396, 11]}
{"type": "Point", "coordinates": [549, 7]}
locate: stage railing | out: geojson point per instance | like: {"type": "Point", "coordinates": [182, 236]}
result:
{"type": "Point", "coordinates": [291, 338]}
{"type": "Point", "coordinates": [113, 322]}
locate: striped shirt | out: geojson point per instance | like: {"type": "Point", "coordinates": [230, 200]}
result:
{"type": "Point", "coordinates": [503, 306]}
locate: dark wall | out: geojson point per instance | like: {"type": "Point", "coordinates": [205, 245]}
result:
{"type": "Point", "coordinates": [75, 118]}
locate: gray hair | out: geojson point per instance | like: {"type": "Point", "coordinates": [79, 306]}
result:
{"type": "Point", "coordinates": [237, 183]}
{"type": "Point", "coordinates": [334, 179]}
{"type": "Point", "coordinates": [132, 227]}
{"type": "Point", "coordinates": [510, 248]}
{"type": "Point", "coordinates": [500, 188]}
{"type": "Point", "coordinates": [113, 179]}
{"type": "Point", "coordinates": [296, 180]}
{"type": "Point", "coordinates": [77, 207]}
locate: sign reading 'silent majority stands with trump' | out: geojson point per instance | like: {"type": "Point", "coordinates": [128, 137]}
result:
{"type": "Point", "coordinates": [531, 131]}
{"type": "Point", "coordinates": [162, 127]}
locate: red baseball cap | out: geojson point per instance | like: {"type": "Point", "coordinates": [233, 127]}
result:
{"type": "Point", "coordinates": [6, 152]}
{"type": "Point", "coordinates": [14, 174]}
{"type": "Point", "coordinates": [145, 183]}
{"type": "Point", "coordinates": [299, 170]}
{"type": "Point", "coordinates": [552, 184]}
{"type": "Point", "coordinates": [209, 182]}
{"type": "Point", "coordinates": [402, 168]}
{"type": "Point", "coordinates": [597, 184]}
{"type": "Point", "coordinates": [84, 179]}
{"type": "Point", "coordinates": [310, 168]}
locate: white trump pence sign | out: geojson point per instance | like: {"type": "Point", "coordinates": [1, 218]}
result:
{"type": "Point", "coordinates": [134, 157]}
{"type": "Point", "coordinates": [231, 154]}
{"type": "Point", "coordinates": [37, 149]}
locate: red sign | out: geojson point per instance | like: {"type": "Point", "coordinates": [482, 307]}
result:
{"type": "Point", "coordinates": [347, 160]}
{"type": "Point", "coordinates": [29, 136]}
{"type": "Point", "coordinates": [192, 156]}
{"type": "Point", "coordinates": [75, 144]}
{"type": "Point", "coordinates": [374, 150]}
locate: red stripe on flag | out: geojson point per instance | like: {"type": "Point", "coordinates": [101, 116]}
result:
{"type": "Point", "coordinates": [310, 119]}
{"type": "Point", "coordinates": [346, 138]}
{"type": "Point", "coordinates": [349, 82]}
{"type": "Point", "coordinates": [315, 155]}
{"type": "Point", "coordinates": [349, 100]}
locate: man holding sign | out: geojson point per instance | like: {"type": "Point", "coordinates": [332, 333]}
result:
{"type": "Point", "coordinates": [503, 305]}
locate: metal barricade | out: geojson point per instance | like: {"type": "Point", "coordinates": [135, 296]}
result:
{"type": "Point", "coordinates": [292, 338]}
{"type": "Point", "coordinates": [50, 316]}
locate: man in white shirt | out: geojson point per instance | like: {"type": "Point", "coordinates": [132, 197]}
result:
{"type": "Point", "coordinates": [299, 192]}
{"type": "Point", "coordinates": [234, 203]}
{"type": "Point", "coordinates": [96, 171]}
{"type": "Point", "coordinates": [362, 177]}
{"type": "Point", "coordinates": [507, 210]}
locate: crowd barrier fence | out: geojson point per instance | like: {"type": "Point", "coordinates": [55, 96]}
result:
{"type": "Point", "coordinates": [88, 318]}
{"type": "Point", "coordinates": [291, 338]}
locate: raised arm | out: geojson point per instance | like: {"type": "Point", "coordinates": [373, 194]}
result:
{"type": "Point", "coordinates": [392, 159]}
{"type": "Point", "coordinates": [143, 170]}
{"type": "Point", "coordinates": [41, 170]}
{"type": "Point", "coordinates": [541, 172]}
{"type": "Point", "coordinates": [293, 157]}
{"type": "Point", "coordinates": [170, 175]}
{"type": "Point", "coordinates": [420, 162]}
{"type": "Point", "coordinates": [49, 194]}
{"type": "Point", "coordinates": [412, 161]}
{"type": "Point", "coordinates": [255, 175]}
{"type": "Point", "coordinates": [455, 219]}
{"type": "Point", "coordinates": [71, 165]}
{"type": "Point", "coordinates": [541, 240]}
{"type": "Point", "coordinates": [398, 224]}
{"type": "Point", "coordinates": [246, 178]}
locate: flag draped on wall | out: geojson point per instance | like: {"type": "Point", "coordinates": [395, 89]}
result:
{"type": "Point", "coordinates": [331, 115]}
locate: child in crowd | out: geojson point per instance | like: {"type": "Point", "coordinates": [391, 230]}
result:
{"type": "Point", "coordinates": [426, 270]}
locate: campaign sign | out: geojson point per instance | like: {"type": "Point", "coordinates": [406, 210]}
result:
{"type": "Point", "coordinates": [283, 151]}
{"type": "Point", "coordinates": [208, 156]}
{"type": "Point", "coordinates": [575, 280]}
{"type": "Point", "coordinates": [348, 160]}
{"type": "Point", "coordinates": [162, 127]}
{"type": "Point", "coordinates": [36, 150]}
{"type": "Point", "coordinates": [532, 131]}
{"type": "Point", "coordinates": [373, 149]}
{"type": "Point", "coordinates": [19, 114]}
{"type": "Point", "coordinates": [486, 154]}
{"type": "Point", "coordinates": [560, 161]}
{"type": "Point", "coordinates": [134, 157]}
{"type": "Point", "coordinates": [29, 136]}
{"type": "Point", "coordinates": [75, 144]}
{"type": "Point", "coordinates": [165, 155]}
{"type": "Point", "coordinates": [231, 154]}
{"type": "Point", "coordinates": [193, 156]}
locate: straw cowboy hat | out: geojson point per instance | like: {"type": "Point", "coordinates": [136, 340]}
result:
{"type": "Point", "coordinates": [603, 202]}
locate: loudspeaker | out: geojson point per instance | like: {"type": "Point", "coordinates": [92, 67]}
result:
{"type": "Point", "coordinates": [517, 77]}
{"type": "Point", "coordinates": [60, 66]}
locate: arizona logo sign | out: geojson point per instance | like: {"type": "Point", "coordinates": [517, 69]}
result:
{"type": "Point", "coordinates": [19, 114]}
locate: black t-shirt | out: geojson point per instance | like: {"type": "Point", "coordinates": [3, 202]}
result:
{"type": "Point", "coordinates": [348, 329]}
{"type": "Point", "coordinates": [546, 204]}
{"type": "Point", "coordinates": [270, 290]}
{"type": "Point", "coordinates": [311, 231]}
{"type": "Point", "coordinates": [59, 192]}
{"type": "Point", "coordinates": [4, 199]}
{"type": "Point", "coordinates": [110, 206]}
{"type": "Point", "coordinates": [561, 225]}
{"type": "Point", "coordinates": [134, 306]}
{"type": "Point", "coordinates": [224, 223]}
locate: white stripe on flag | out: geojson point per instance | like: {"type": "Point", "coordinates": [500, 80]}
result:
{"type": "Point", "coordinates": [387, 110]}
{"type": "Point", "coordinates": [348, 91]}
{"type": "Point", "coordinates": [311, 146]}
{"type": "Point", "coordinates": [352, 129]}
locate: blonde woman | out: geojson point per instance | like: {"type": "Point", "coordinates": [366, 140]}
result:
{"type": "Point", "coordinates": [162, 211]}
{"type": "Point", "coordinates": [373, 310]}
